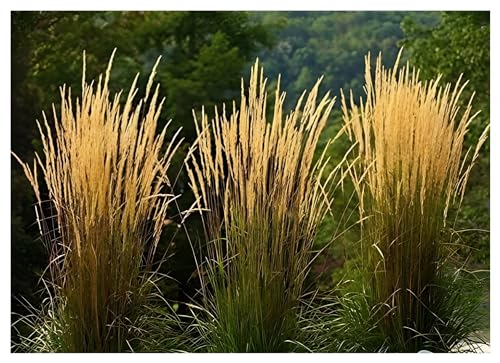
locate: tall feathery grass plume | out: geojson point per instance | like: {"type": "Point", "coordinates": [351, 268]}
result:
{"type": "Point", "coordinates": [105, 171]}
{"type": "Point", "coordinates": [263, 195]}
{"type": "Point", "coordinates": [412, 168]}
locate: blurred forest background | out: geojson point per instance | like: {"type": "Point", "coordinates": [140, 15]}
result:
{"type": "Point", "coordinates": [204, 56]}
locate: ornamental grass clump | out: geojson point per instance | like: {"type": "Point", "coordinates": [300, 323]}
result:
{"type": "Point", "coordinates": [412, 169]}
{"type": "Point", "coordinates": [263, 195]}
{"type": "Point", "coordinates": [105, 171]}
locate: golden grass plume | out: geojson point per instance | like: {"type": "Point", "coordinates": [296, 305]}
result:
{"type": "Point", "coordinates": [412, 168]}
{"type": "Point", "coordinates": [263, 195]}
{"type": "Point", "coordinates": [105, 170]}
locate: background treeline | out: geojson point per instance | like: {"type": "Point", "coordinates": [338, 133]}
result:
{"type": "Point", "coordinates": [204, 56]}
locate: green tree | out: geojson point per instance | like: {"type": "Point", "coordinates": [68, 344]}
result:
{"type": "Point", "coordinates": [333, 44]}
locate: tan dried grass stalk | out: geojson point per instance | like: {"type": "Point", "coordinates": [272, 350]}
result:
{"type": "Point", "coordinates": [106, 173]}
{"type": "Point", "coordinates": [411, 170]}
{"type": "Point", "coordinates": [264, 197]}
